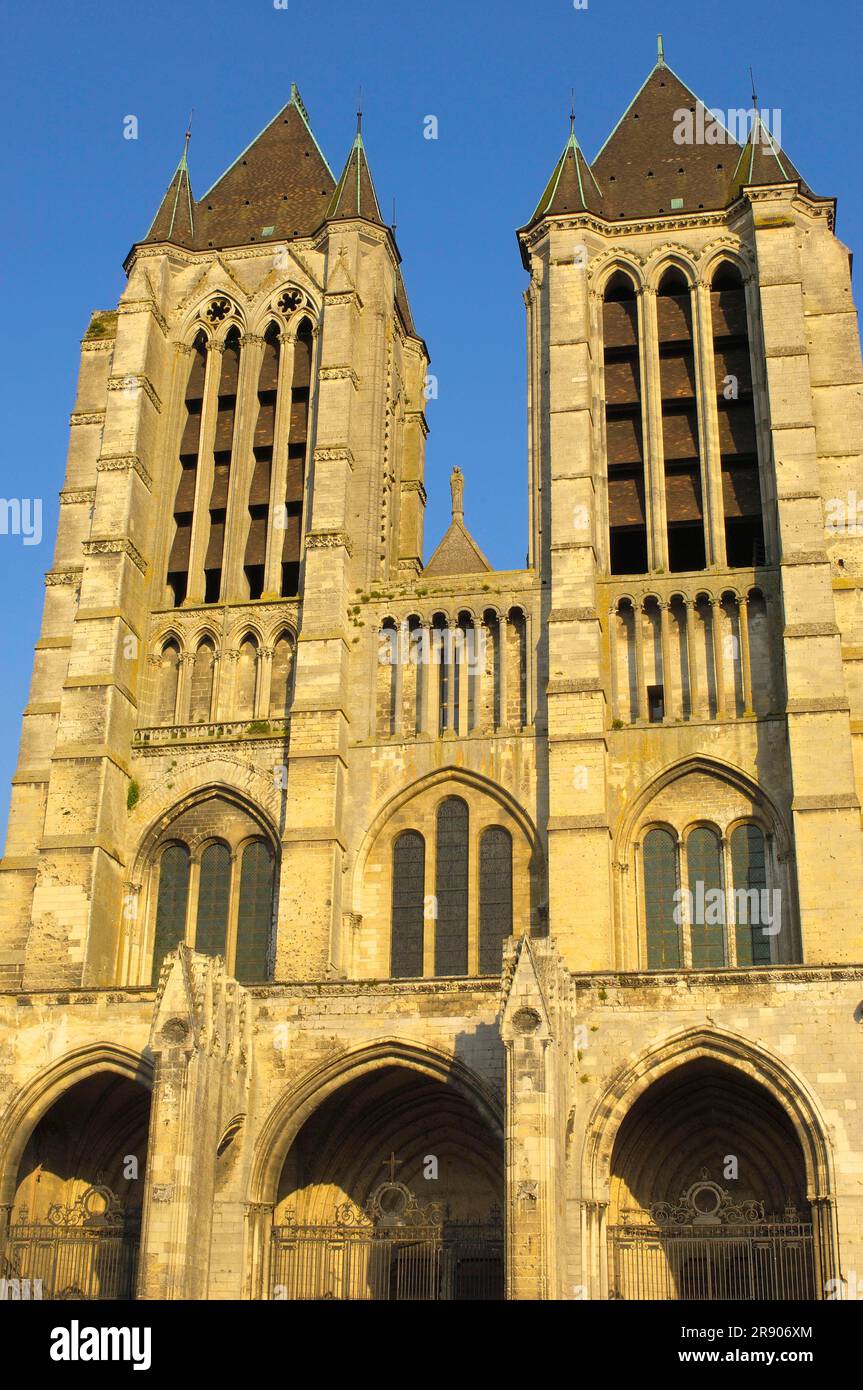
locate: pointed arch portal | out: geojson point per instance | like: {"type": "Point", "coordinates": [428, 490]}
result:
{"type": "Point", "coordinates": [710, 1193]}
{"type": "Point", "coordinates": [392, 1189]}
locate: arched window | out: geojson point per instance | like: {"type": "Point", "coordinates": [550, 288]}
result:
{"type": "Point", "coordinates": [749, 872]}
{"type": "Point", "coordinates": [661, 912]}
{"type": "Point", "coordinates": [451, 887]}
{"type": "Point", "coordinates": [169, 677]}
{"type": "Point", "coordinates": [627, 519]}
{"type": "Point", "coordinates": [406, 947]}
{"type": "Point", "coordinates": [171, 904]}
{"type": "Point", "coordinates": [254, 564]}
{"type": "Point", "coordinates": [298, 434]}
{"type": "Point", "coordinates": [741, 488]}
{"type": "Point", "coordinates": [214, 890]}
{"type": "Point", "coordinates": [680, 439]}
{"type": "Point", "coordinates": [184, 499]}
{"type": "Point", "coordinates": [254, 923]}
{"type": "Point", "coordinates": [706, 898]}
{"type": "Point", "coordinates": [247, 678]}
{"type": "Point", "coordinates": [223, 445]}
{"type": "Point", "coordinates": [281, 677]}
{"type": "Point", "coordinates": [495, 897]}
{"type": "Point", "coordinates": [201, 698]}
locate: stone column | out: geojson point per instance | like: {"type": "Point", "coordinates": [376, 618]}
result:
{"type": "Point", "coordinates": [641, 692]}
{"type": "Point", "coordinates": [745, 658]}
{"type": "Point", "coordinates": [692, 655]}
{"type": "Point", "coordinates": [668, 691]}
{"type": "Point", "coordinates": [612, 661]}
{"type": "Point", "coordinates": [718, 661]}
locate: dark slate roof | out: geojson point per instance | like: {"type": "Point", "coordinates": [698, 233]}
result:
{"type": "Point", "coordinates": [278, 188]}
{"type": "Point", "coordinates": [642, 168]}
{"type": "Point", "coordinates": [763, 161]}
{"type": "Point", "coordinates": [355, 192]}
{"type": "Point", "coordinates": [175, 220]}
{"type": "Point", "coordinates": [572, 186]}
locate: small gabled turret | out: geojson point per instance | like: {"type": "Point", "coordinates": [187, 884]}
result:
{"type": "Point", "coordinates": [572, 186]}
{"type": "Point", "coordinates": [175, 219]}
{"type": "Point", "coordinates": [762, 161]}
{"type": "Point", "coordinates": [355, 195]}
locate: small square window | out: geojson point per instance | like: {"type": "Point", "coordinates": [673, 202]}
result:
{"type": "Point", "coordinates": [677, 202]}
{"type": "Point", "coordinates": [655, 703]}
{"type": "Point", "coordinates": [267, 231]}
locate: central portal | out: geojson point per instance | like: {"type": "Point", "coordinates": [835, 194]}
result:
{"type": "Point", "coordinates": [392, 1190]}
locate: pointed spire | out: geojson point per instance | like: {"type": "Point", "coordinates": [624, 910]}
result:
{"type": "Point", "coordinates": [175, 220]}
{"type": "Point", "coordinates": [761, 160]}
{"type": "Point", "coordinates": [572, 187]}
{"type": "Point", "coordinates": [355, 195]}
{"type": "Point", "coordinates": [660, 52]}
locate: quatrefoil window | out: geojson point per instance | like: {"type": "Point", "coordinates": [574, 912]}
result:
{"type": "Point", "coordinates": [290, 300]}
{"type": "Point", "coordinates": [218, 310]}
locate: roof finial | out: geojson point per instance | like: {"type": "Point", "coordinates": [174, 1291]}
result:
{"type": "Point", "coordinates": [660, 51]}
{"type": "Point", "coordinates": [394, 217]}
{"type": "Point", "coordinates": [572, 110]}
{"type": "Point", "coordinates": [188, 134]}
{"type": "Point", "coordinates": [360, 111]}
{"type": "Point", "coordinates": [754, 93]}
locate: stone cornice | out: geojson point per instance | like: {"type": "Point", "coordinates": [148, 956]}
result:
{"type": "Point", "coordinates": [144, 306]}
{"type": "Point", "coordinates": [70, 574]}
{"type": "Point", "coordinates": [329, 540]}
{"type": "Point", "coordinates": [119, 463]}
{"type": "Point", "coordinates": [116, 546]}
{"type": "Point", "coordinates": [134, 381]}
{"type": "Point", "coordinates": [87, 417]}
{"type": "Point", "coordinates": [71, 496]}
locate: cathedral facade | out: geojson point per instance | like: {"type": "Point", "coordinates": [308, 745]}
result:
{"type": "Point", "coordinates": [382, 929]}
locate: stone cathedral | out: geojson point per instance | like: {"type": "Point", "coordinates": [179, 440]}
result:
{"type": "Point", "coordinates": [381, 927]}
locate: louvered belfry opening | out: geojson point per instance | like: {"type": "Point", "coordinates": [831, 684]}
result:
{"type": "Point", "coordinates": [297, 442]}
{"type": "Point", "coordinates": [623, 428]}
{"type": "Point", "coordinates": [262, 447]}
{"type": "Point", "coordinates": [682, 454]}
{"type": "Point", "coordinates": [741, 491]}
{"type": "Point", "coordinates": [222, 449]}
{"type": "Point", "coordinates": [184, 502]}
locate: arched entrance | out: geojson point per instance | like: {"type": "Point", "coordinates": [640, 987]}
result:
{"type": "Point", "coordinates": [392, 1189]}
{"type": "Point", "coordinates": [75, 1211]}
{"type": "Point", "coordinates": [708, 1192]}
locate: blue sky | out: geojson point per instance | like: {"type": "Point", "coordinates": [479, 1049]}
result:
{"type": "Point", "coordinates": [498, 79]}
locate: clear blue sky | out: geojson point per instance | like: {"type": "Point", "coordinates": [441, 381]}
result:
{"type": "Point", "coordinates": [498, 78]}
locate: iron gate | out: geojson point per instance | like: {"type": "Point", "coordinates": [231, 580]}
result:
{"type": "Point", "coordinates": [709, 1247]}
{"type": "Point", "coordinates": [393, 1249]}
{"type": "Point", "coordinates": [88, 1250]}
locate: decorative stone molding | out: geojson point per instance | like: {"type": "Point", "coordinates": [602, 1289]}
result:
{"type": "Point", "coordinates": [335, 455]}
{"type": "Point", "coordinates": [87, 417]}
{"type": "Point", "coordinates": [329, 540]}
{"type": "Point", "coordinates": [71, 497]}
{"type": "Point", "coordinates": [144, 306]}
{"type": "Point", "coordinates": [71, 575]}
{"type": "Point", "coordinates": [339, 374]}
{"type": "Point", "coordinates": [116, 547]}
{"type": "Point", "coordinates": [97, 344]}
{"type": "Point", "coordinates": [135, 381]}
{"type": "Point", "coordinates": [120, 463]}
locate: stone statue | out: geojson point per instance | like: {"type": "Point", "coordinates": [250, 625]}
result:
{"type": "Point", "coordinates": [456, 484]}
